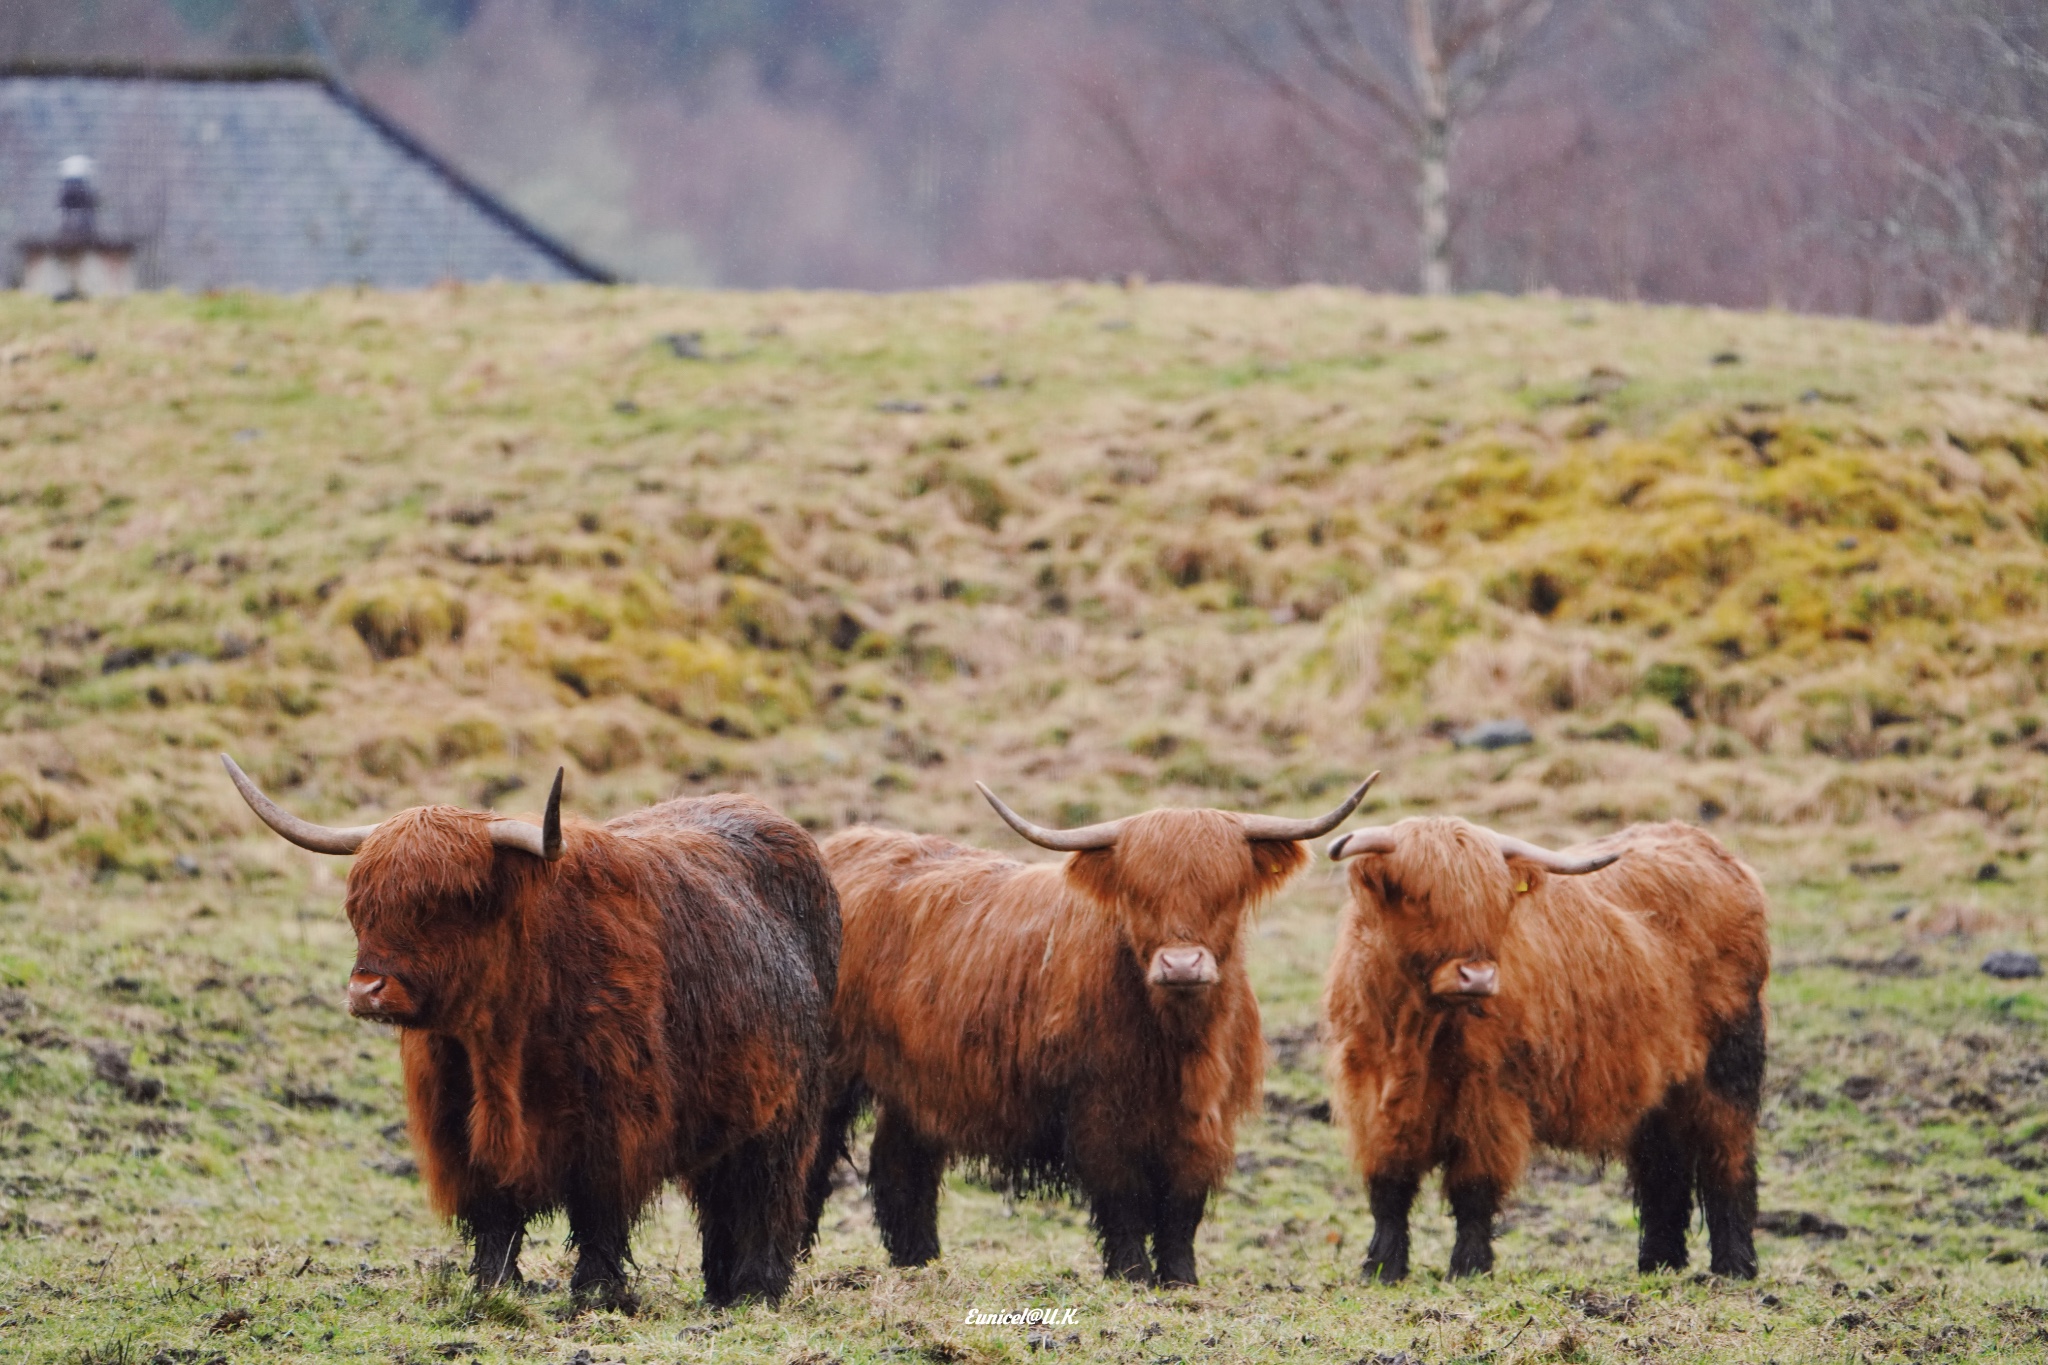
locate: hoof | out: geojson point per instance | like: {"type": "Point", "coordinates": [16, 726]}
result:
{"type": "Point", "coordinates": [602, 1295]}
{"type": "Point", "coordinates": [765, 1285]}
{"type": "Point", "coordinates": [1384, 1272]}
{"type": "Point", "coordinates": [1469, 1263]}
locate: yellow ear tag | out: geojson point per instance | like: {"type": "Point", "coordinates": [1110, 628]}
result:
{"type": "Point", "coordinates": [1521, 888]}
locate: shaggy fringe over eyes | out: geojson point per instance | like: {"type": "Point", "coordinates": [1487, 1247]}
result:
{"type": "Point", "coordinates": [438, 856]}
{"type": "Point", "coordinates": [1181, 863]}
{"type": "Point", "coordinates": [1454, 867]}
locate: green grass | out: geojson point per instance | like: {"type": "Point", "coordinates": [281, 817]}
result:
{"type": "Point", "coordinates": [271, 1180]}
{"type": "Point", "coordinates": [390, 549]}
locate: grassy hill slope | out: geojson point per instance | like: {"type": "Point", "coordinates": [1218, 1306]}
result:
{"type": "Point", "coordinates": [1104, 549]}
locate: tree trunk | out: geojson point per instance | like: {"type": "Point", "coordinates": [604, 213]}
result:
{"type": "Point", "coordinates": [1435, 204]}
{"type": "Point", "coordinates": [1432, 147]}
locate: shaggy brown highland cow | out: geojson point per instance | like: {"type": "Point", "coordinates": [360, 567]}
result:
{"type": "Point", "coordinates": [586, 1012]}
{"type": "Point", "coordinates": [1488, 994]}
{"type": "Point", "coordinates": [1083, 1024]}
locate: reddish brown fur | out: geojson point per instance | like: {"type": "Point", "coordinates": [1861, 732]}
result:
{"type": "Point", "coordinates": [650, 1007]}
{"type": "Point", "coordinates": [1628, 1022]}
{"type": "Point", "coordinates": [1000, 1011]}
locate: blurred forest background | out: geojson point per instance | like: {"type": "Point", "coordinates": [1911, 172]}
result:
{"type": "Point", "coordinates": [1887, 158]}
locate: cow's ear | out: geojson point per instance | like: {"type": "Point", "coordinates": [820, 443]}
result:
{"type": "Point", "coordinates": [1525, 876]}
{"type": "Point", "coordinates": [1094, 874]}
{"type": "Point", "coordinates": [1370, 870]}
{"type": "Point", "coordinates": [1274, 861]}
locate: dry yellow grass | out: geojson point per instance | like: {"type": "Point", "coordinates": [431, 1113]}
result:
{"type": "Point", "coordinates": [1232, 547]}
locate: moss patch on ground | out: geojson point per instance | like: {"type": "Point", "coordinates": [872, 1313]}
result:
{"type": "Point", "coordinates": [1104, 549]}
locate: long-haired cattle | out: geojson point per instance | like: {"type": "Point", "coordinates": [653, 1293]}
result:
{"type": "Point", "coordinates": [1083, 1024]}
{"type": "Point", "coordinates": [586, 1012]}
{"type": "Point", "coordinates": [1487, 994]}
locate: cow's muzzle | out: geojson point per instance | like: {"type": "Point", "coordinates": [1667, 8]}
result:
{"type": "Point", "coordinates": [373, 995]}
{"type": "Point", "coordinates": [1468, 978]}
{"type": "Point", "coordinates": [1183, 968]}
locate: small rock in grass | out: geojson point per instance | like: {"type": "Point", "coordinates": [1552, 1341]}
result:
{"type": "Point", "coordinates": [2008, 964]}
{"type": "Point", "coordinates": [684, 345]}
{"type": "Point", "coordinates": [1493, 734]}
{"type": "Point", "coordinates": [1990, 872]}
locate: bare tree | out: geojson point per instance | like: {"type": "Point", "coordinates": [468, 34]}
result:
{"type": "Point", "coordinates": [1950, 97]}
{"type": "Point", "coordinates": [1355, 66]}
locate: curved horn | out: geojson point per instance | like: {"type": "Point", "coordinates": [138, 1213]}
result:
{"type": "Point", "coordinates": [1371, 839]}
{"type": "Point", "coordinates": [1059, 840]}
{"type": "Point", "coordinates": [1279, 827]}
{"type": "Point", "coordinates": [543, 840]}
{"type": "Point", "coordinates": [304, 833]}
{"type": "Point", "coordinates": [1549, 861]}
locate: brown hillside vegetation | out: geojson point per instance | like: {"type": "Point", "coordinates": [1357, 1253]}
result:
{"type": "Point", "coordinates": [1099, 547]}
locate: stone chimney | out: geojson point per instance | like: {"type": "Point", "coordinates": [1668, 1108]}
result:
{"type": "Point", "coordinates": [78, 263]}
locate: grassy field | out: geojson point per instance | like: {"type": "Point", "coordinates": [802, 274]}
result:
{"type": "Point", "coordinates": [1104, 549]}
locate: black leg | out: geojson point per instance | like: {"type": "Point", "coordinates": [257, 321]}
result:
{"type": "Point", "coordinates": [1386, 1258]}
{"type": "Point", "coordinates": [1730, 1207]}
{"type": "Point", "coordinates": [1473, 1205]}
{"type": "Point", "coordinates": [750, 1209]}
{"type": "Point", "coordinates": [1661, 1171]}
{"type": "Point", "coordinates": [904, 1170]}
{"type": "Point", "coordinates": [825, 1164]}
{"type": "Point", "coordinates": [1173, 1236]}
{"type": "Point", "coordinates": [496, 1224]}
{"type": "Point", "coordinates": [1735, 1074]}
{"type": "Point", "coordinates": [1121, 1221]}
{"type": "Point", "coordinates": [601, 1231]}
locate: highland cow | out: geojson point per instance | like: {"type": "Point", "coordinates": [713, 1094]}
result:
{"type": "Point", "coordinates": [586, 1012]}
{"type": "Point", "coordinates": [1487, 994]}
{"type": "Point", "coordinates": [1083, 1025]}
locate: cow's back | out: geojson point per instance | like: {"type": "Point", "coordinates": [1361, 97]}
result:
{"type": "Point", "coordinates": [1697, 901]}
{"type": "Point", "coordinates": [748, 926]}
{"type": "Point", "coordinates": [1617, 984]}
{"type": "Point", "coordinates": [766, 852]}
{"type": "Point", "coordinates": [962, 980]}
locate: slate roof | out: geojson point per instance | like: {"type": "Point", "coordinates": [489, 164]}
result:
{"type": "Point", "coordinates": [269, 178]}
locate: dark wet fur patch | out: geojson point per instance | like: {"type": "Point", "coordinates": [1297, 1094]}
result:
{"type": "Point", "coordinates": [1735, 1063]}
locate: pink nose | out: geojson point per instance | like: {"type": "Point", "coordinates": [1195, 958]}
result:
{"type": "Point", "coordinates": [1478, 978]}
{"type": "Point", "coordinates": [1184, 967]}
{"type": "Point", "coordinates": [366, 996]}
